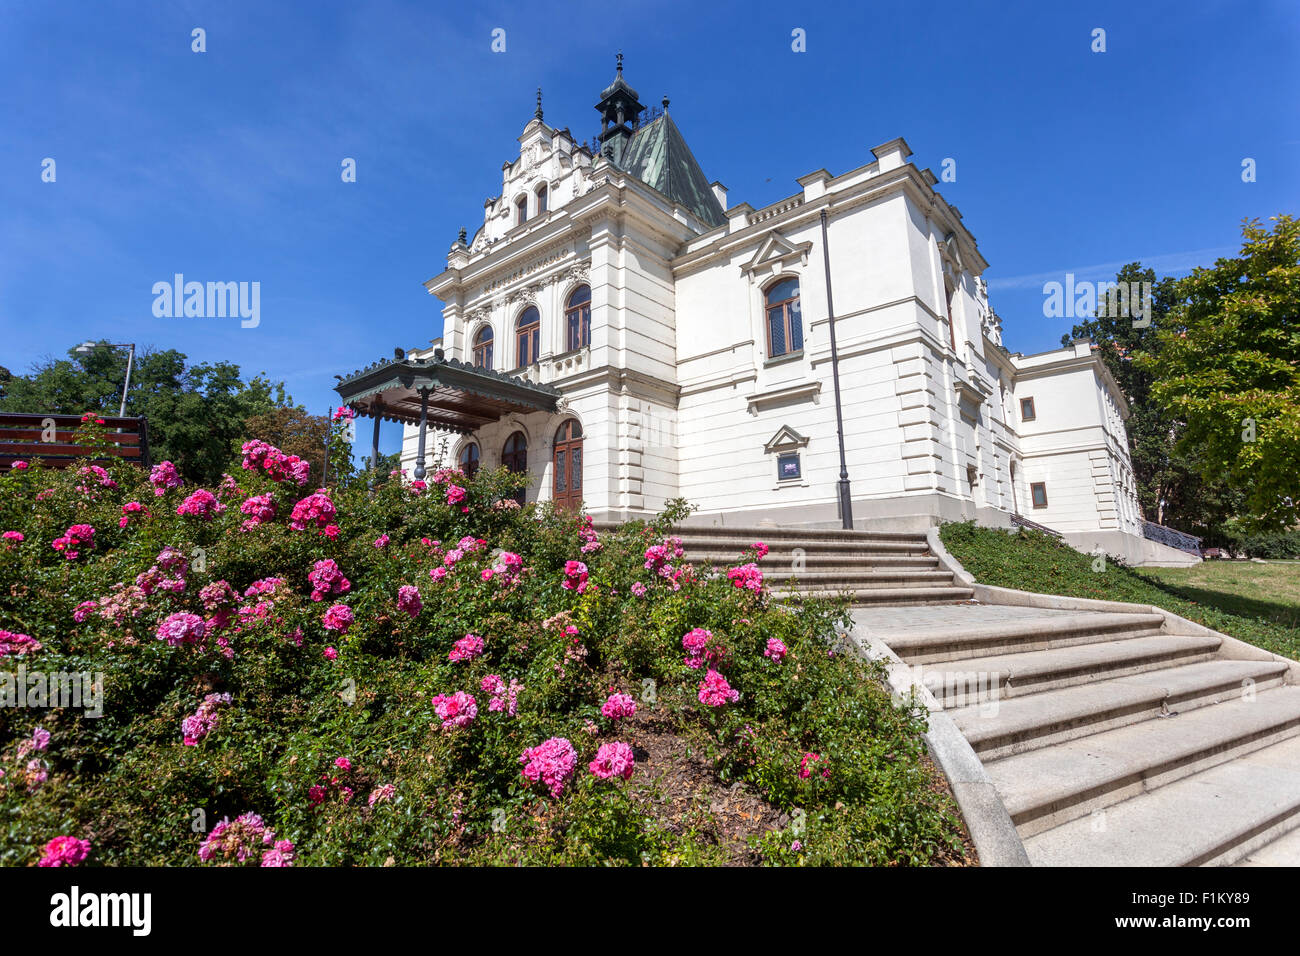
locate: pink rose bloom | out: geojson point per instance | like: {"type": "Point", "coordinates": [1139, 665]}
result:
{"type": "Point", "coordinates": [408, 600]}
{"type": "Point", "coordinates": [20, 466]}
{"type": "Point", "coordinates": [339, 618]}
{"type": "Point", "coordinates": [695, 642]}
{"type": "Point", "coordinates": [382, 541]}
{"type": "Point", "coordinates": [467, 648]}
{"type": "Point", "coordinates": [259, 508]}
{"type": "Point", "coordinates": [715, 691]}
{"type": "Point", "coordinates": [613, 760]}
{"type": "Point", "coordinates": [486, 574]}
{"type": "Point", "coordinates": [164, 477]}
{"type": "Point", "coordinates": [775, 650]}
{"type": "Point", "coordinates": [438, 574]}
{"type": "Point", "coordinates": [618, 706]}
{"type": "Point", "coordinates": [65, 851]}
{"type": "Point", "coordinates": [326, 578]}
{"type": "Point", "coordinates": [343, 763]}
{"type": "Point", "coordinates": [638, 589]}
{"type": "Point", "coordinates": [315, 509]}
{"type": "Point", "coordinates": [805, 768]}
{"type": "Point", "coordinates": [281, 854]}
{"type": "Point", "coordinates": [201, 504]}
{"type": "Point", "coordinates": [575, 576]}
{"type": "Point", "coordinates": [15, 536]}
{"type": "Point", "coordinates": [455, 494]}
{"type": "Point", "coordinates": [551, 763]}
{"type": "Point", "coordinates": [456, 710]}
{"type": "Point", "coordinates": [747, 576]}
{"type": "Point", "coordinates": [330, 654]}
{"type": "Point", "coordinates": [760, 549]}
{"type": "Point", "coordinates": [382, 794]}
{"type": "Point", "coordinates": [181, 628]}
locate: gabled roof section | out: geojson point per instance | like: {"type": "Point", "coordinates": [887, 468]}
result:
{"type": "Point", "coordinates": [659, 157]}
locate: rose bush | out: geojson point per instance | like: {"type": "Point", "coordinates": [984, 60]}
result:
{"type": "Point", "coordinates": [489, 672]}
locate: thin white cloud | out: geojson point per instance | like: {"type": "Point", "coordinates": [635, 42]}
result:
{"type": "Point", "coordinates": [1167, 264]}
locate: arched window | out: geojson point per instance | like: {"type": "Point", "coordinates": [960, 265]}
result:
{"type": "Point", "coordinates": [528, 337]}
{"type": "Point", "coordinates": [483, 348]}
{"type": "Point", "coordinates": [514, 456]}
{"type": "Point", "coordinates": [577, 319]}
{"type": "Point", "coordinates": [521, 210]}
{"type": "Point", "coordinates": [541, 199]}
{"type": "Point", "coordinates": [784, 322]}
{"type": "Point", "coordinates": [468, 460]}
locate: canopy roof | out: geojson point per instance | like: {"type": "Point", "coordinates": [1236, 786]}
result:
{"type": "Point", "coordinates": [462, 397]}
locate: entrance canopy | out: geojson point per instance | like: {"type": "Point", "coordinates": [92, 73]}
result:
{"type": "Point", "coordinates": [453, 396]}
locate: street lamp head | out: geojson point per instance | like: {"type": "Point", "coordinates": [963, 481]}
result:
{"type": "Point", "coordinates": [85, 347]}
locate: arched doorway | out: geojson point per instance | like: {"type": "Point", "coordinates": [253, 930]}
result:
{"type": "Point", "coordinates": [566, 481]}
{"type": "Point", "coordinates": [515, 458]}
{"type": "Point", "coordinates": [468, 460]}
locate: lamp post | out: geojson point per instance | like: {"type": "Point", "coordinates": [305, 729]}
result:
{"type": "Point", "coordinates": [846, 498]}
{"type": "Point", "coordinates": [86, 348]}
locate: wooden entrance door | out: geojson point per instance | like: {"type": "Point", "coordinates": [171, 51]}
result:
{"type": "Point", "coordinates": [515, 458]}
{"type": "Point", "coordinates": [566, 483]}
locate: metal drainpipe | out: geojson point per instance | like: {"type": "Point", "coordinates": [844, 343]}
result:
{"type": "Point", "coordinates": [846, 497]}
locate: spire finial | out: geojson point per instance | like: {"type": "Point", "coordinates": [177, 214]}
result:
{"type": "Point", "coordinates": [620, 62]}
{"type": "Point", "coordinates": [538, 114]}
{"type": "Point", "coordinates": [461, 238]}
{"type": "Point", "coordinates": [665, 101]}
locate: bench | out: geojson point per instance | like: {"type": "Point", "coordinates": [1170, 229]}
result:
{"type": "Point", "coordinates": [24, 437]}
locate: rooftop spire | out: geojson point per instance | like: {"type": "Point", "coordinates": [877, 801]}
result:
{"type": "Point", "coordinates": [538, 114]}
{"type": "Point", "coordinates": [619, 108]}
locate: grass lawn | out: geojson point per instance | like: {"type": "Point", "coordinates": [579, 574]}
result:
{"type": "Point", "coordinates": [1256, 603]}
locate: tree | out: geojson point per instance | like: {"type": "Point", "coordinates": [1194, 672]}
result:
{"type": "Point", "coordinates": [1226, 366]}
{"type": "Point", "coordinates": [1161, 471]}
{"type": "Point", "coordinates": [196, 413]}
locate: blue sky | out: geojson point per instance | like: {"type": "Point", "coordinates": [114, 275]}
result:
{"type": "Point", "coordinates": [225, 165]}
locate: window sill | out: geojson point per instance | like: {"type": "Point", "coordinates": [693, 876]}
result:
{"type": "Point", "coordinates": [790, 483]}
{"type": "Point", "coordinates": [782, 359]}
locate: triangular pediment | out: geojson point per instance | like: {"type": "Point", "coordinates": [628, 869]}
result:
{"type": "Point", "coordinates": [776, 252]}
{"type": "Point", "coordinates": [785, 439]}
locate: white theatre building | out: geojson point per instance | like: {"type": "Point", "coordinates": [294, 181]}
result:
{"type": "Point", "coordinates": [623, 333]}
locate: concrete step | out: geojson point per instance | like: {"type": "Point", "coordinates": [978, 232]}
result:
{"type": "Point", "coordinates": [1001, 676]}
{"type": "Point", "coordinates": [884, 595]}
{"type": "Point", "coordinates": [854, 548]}
{"type": "Point", "coordinates": [851, 580]}
{"type": "Point", "coordinates": [1281, 851]}
{"type": "Point", "coordinates": [1244, 811]}
{"type": "Point", "coordinates": [784, 561]}
{"type": "Point", "coordinates": [1045, 788]}
{"type": "Point", "coordinates": [1041, 720]}
{"type": "Point", "coordinates": [771, 536]}
{"type": "Point", "coordinates": [918, 646]}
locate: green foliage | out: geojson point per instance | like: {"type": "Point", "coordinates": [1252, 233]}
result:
{"type": "Point", "coordinates": [127, 782]}
{"type": "Point", "coordinates": [1227, 365]}
{"type": "Point", "coordinates": [196, 413]}
{"type": "Point", "coordinates": [1193, 503]}
{"type": "Point", "coordinates": [1032, 561]}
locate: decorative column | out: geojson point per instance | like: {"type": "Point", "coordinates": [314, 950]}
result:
{"type": "Point", "coordinates": [424, 425]}
{"type": "Point", "coordinates": [377, 412]}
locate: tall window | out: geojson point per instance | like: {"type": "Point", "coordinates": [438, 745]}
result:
{"type": "Point", "coordinates": [483, 347]}
{"type": "Point", "coordinates": [784, 324]}
{"type": "Point", "coordinates": [948, 294]}
{"type": "Point", "coordinates": [528, 336]}
{"type": "Point", "coordinates": [1038, 491]}
{"type": "Point", "coordinates": [541, 199]}
{"type": "Point", "coordinates": [1027, 410]}
{"type": "Point", "coordinates": [521, 210]}
{"type": "Point", "coordinates": [577, 319]}
{"type": "Point", "coordinates": [468, 460]}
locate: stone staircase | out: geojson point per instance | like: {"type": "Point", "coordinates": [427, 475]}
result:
{"type": "Point", "coordinates": [1112, 740]}
{"type": "Point", "coordinates": [867, 567]}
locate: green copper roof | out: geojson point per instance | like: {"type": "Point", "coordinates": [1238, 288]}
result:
{"type": "Point", "coordinates": [659, 157]}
